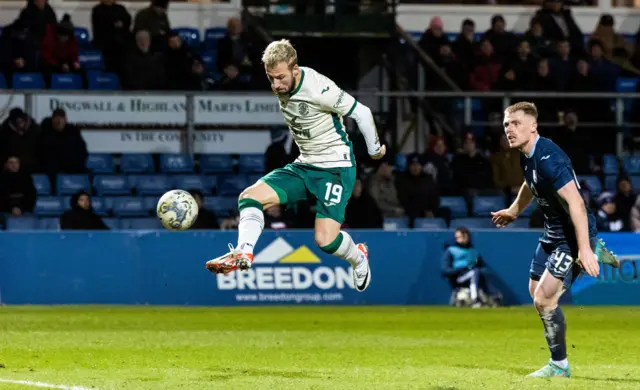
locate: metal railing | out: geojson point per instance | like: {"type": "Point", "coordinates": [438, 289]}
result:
{"type": "Point", "coordinates": [465, 105]}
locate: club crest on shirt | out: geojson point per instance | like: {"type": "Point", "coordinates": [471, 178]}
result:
{"type": "Point", "coordinates": [303, 109]}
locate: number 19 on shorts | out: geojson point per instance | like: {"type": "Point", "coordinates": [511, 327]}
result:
{"type": "Point", "coordinates": [333, 194]}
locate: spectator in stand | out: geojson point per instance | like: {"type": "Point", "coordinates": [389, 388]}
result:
{"type": "Point", "coordinates": [471, 170]}
{"type": "Point", "coordinates": [635, 216]}
{"type": "Point", "coordinates": [382, 187]}
{"type": "Point", "coordinates": [418, 191]}
{"type": "Point", "coordinates": [234, 56]}
{"type": "Point", "coordinates": [507, 172]}
{"type": "Point", "coordinates": [625, 199]}
{"type": "Point", "coordinates": [17, 192]}
{"type": "Point", "coordinates": [65, 150]}
{"type": "Point", "coordinates": [155, 21]}
{"type": "Point", "coordinates": [543, 81]}
{"type": "Point", "coordinates": [573, 142]}
{"type": "Point", "coordinates": [562, 65]}
{"type": "Point", "coordinates": [207, 219]}
{"type": "Point", "coordinates": [523, 63]}
{"type": "Point", "coordinates": [18, 51]}
{"type": "Point", "coordinates": [612, 43]}
{"type": "Point", "coordinates": [608, 218]}
{"type": "Point", "coordinates": [438, 165]}
{"type": "Point", "coordinates": [60, 48]}
{"type": "Point", "coordinates": [38, 15]}
{"type": "Point", "coordinates": [583, 80]}
{"type": "Point", "coordinates": [282, 151]}
{"type": "Point", "coordinates": [447, 61]}
{"type": "Point", "coordinates": [144, 69]}
{"type": "Point", "coordinates": [509, 81]}
{"type": "Point", "coordinates": [558, 24]}
{"type": "Point", "coordinates": [433, 38]}
{"type": "Point", "coordinates": [20, 136]}
{"type": "Point", "coordinates": [540, 45]}
{"type": "Point", "coordinates": [504, 43]}
{"type": "Point", "coordinates": [362, 211]}
{"type": "Point", "coordinates": [465, 45]}
{"type": "Point", "coordinates": [486, 68]}
{"type": "Point", "coordinates": [604, 72]}
{"type": "Point", "coordinates": [81, 215]}
{"type": "Point", "coordinates": [181, 65]}
{"type": "Point", "coordinates": [111, 25]}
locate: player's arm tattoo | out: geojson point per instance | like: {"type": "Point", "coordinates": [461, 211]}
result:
{"type": "Point", "coordinates": [577, 212]}
{"type": "Point", "coordinates": [525, 196]}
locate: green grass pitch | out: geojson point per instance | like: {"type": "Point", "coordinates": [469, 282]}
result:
{"type": "Point", "coordinates": [275, 348]}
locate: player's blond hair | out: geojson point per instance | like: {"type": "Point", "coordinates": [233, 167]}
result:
{"type": "Point", "coordinates": [279, 51]}
{"type": "Point", "coordinates": [526, 107]}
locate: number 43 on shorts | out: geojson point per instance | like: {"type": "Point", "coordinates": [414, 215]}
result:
{"type": "Point", "coordinates": [333, 194]}
{"type": "Point", "coordinates": [562, 262]}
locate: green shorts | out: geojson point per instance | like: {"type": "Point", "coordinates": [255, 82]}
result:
{"type": "Point", "coordinates": [331, 187]}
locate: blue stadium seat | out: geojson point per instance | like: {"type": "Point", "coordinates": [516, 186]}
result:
{"type": "Point", "coordinates": [82, 35]}
{"type": "Point", "coordinates": [3, 82]}
{"type": "Point", "coordinates": [624, 84]}
{"type": "Point", "coordinates": [152, 184]}
{"type": "Point", "coordinates": [222, 206]}
{"type": "Point", "coordinates": [401, 162]}
{"type": "Point", "coordinates": [101, 163]}
{"type": "Point", "coordinates": [472, 223]}
{"type": "Point", "coordinates": [520, 223]}
{"type": "Point", "coordinates": [591, 182]}
{"type": "Point", "coordinates": [150, 203]}
{"type": "Point", "coordinates": [64, 81]}
{"type": "Point", "coordinates": [631, 165]}
{"type": "Point", "coordinates": [91, 60]}
{"type": "Point", "coordinates": [22, 223]}
{"type": "Point", "coordinates": [111, 185]}
{"type": "Point", "coordinates": [176, 163]}
{"type": "Point", "coordinates": [190, 36]}
{"type": "Point", "coordinates": [211, 36]}
{"type": "Point", "coordinates": [457, 205]}
{"type": "Point", "coordinates": [70, 184]}
{"type": "Point", "coordinates": [216, 163]}
{"type": "Point", "coordinates": [28, 81]}
{"type": "Point", "coordinates": [232, 184]}
{"type": "Point", "coordinates": [48, 206]}
{"type": "Point", "coordinates": [396, 223]}
{"type": "Point", "coordinates": [100, 206]}
{"type": "Point", "coordinates": [103, 81]}
{"type": "Point", "coordinates": [49, 224]}
{"type": "Point", "coordinates": [136, 163]}
{"type": "Point", "coordinates": [140, 224]}
{"type": "Point", "coordinates": [128, 206]}
{"type": "Point", "coordinates": [188, 182]}
{"type": "Point", "coordinates": [252, 163]}
{"type": "Point", "coordinates": [610, 164]}
{"type": "Point", "coordinates": [209, 59]}
{"type": "Point", "coordinates": [430, 223]}
{"type": "Point", "coordinates": [112, 223]}
{"type": "Point", "coordinates": [42, 184]}
{"type": "Point", "coordinates": [611, 182]}
{"type": "Point", "coordinates": [484, 205]}
{"type": "Point", "coordinates": [635, 182]}
{"type": "Point", "coordinates": [530, 209]}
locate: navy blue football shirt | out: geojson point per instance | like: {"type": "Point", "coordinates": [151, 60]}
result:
{"type": "Point", "coordinates": [546, 170]}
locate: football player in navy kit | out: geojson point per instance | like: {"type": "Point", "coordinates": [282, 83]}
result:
{"type": "Point", "coordinates": [568, 244]}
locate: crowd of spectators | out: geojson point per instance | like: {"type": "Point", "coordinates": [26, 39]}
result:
{"type": "Point", "coordinates": [142, 50]}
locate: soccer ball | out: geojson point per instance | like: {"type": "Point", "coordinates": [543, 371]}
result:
{"type": "Point", "coordinates": [177, 210]}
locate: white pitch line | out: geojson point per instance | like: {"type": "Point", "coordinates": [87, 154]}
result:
{"type": "Point", "coordinates": [43, 384]}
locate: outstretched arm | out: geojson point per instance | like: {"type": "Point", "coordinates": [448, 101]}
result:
{"type": "Point", "coordinates": [522, 200]}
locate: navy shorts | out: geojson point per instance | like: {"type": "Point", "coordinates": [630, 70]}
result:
{"type": "Point", "coordinates": [558, 259]}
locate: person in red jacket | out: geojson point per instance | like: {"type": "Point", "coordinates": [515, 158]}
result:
{"type": "Point", "coordinates": [486, 69]}
{"type": "Point", "coordinates": [60, 48]}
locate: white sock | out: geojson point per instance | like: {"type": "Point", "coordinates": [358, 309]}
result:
{"type": "Point", "coordinates": [249, 228]}
{"type": "Point", "coordinates": [561, 363]}
{"type": "Point", "coordinates": [348, 250]}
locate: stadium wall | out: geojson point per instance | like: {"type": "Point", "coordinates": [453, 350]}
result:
{"type": "Point", "coordinates": [167, 268]}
